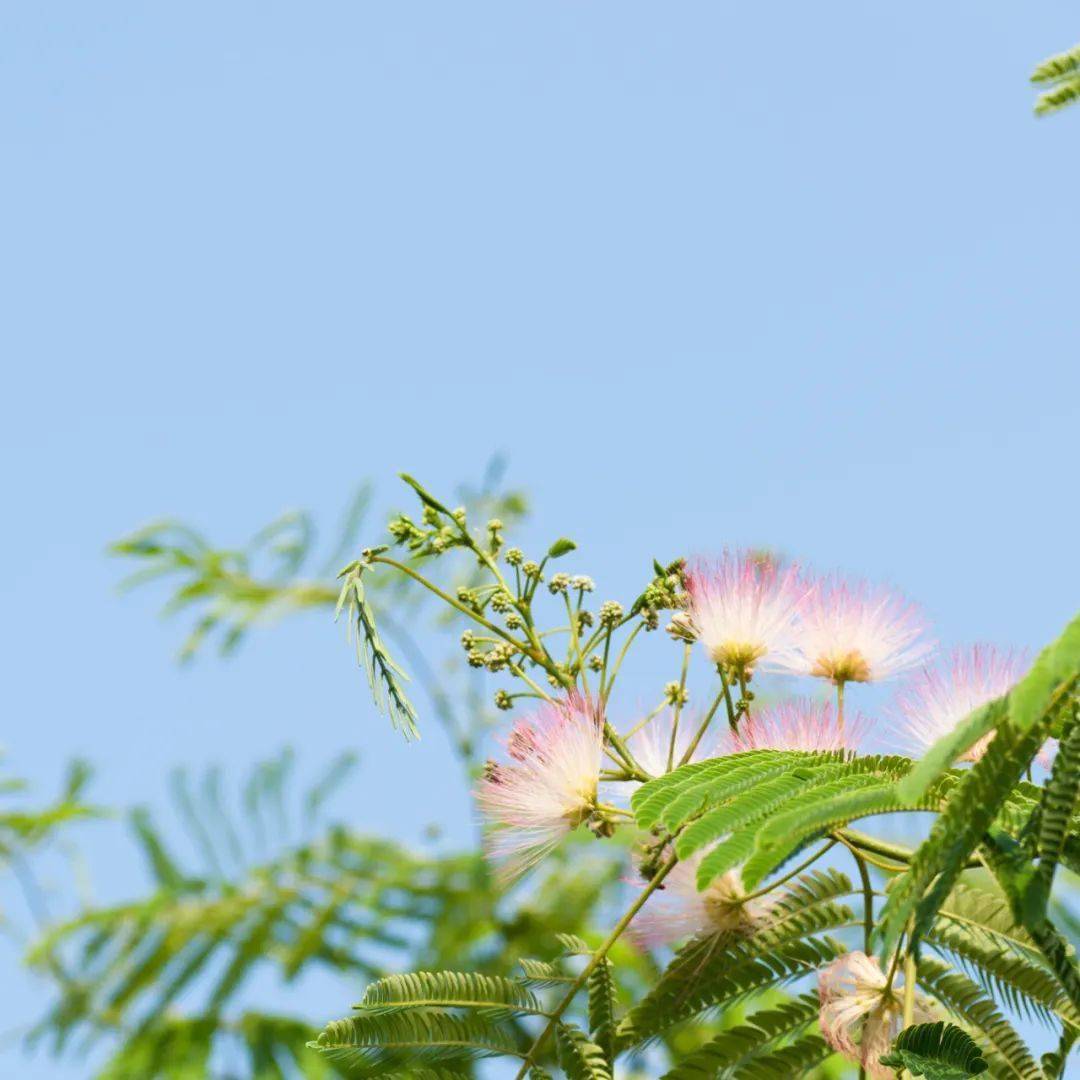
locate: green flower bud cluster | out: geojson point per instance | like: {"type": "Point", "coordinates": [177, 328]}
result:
{"type": "Point", "coordinates": [437, 537]}
{"type": "Point", "coordinates": [499, 656]}
{"type": "Point", "coordinates": [503, 700]}
{"type": "Point", "coordinates": [666, 590]}
{"type": "Point", "coordinates": [559, 583]}
{"type": "Point", "coordinates": [676, 694]}
{"type": "Point", "coordinates": [611, 613]}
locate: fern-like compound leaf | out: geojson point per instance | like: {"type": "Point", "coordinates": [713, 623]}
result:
{"type": "Point", "coordinates": [601, 988]}
{"type": "Point", "coordinates": [580, 1058]}
{"type": "Point", "coordinates": [383, 673]}
{"type": "Point", "coordinates": [938, 1051]}
{"type": "Point", "coordinates": [448, 990]}
{"type": "Point", "coordinates": [735, 1049]}
{"type": "Point", "coordinates": [976, 1011]}
{"type": "Point", "coordinates": [377, 1044]}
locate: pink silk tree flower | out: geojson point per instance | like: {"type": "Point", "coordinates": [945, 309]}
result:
{"type": "Point", "coordinates": [547, 788]}
{"type": "Point", "coordinates": [855, 632]}
{"type": "Point", "coordinates": [678, 911]}
{"type": "Point", "coordinates": [650, 745]}
{"type": "Point", "coordinates": [861, 1014]}
{"type": "Point", "coordinates": [742, 607]}
{"type": "Point", "coordinates": [798, 724]}
{"type": "Point", "coordinates": [938, 698]}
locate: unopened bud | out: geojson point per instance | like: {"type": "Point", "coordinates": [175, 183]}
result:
{"type": "Point", "coordinates": [681, 628]}
{"type": "Point", "coordinates": [559, 583]}
{"type": "Point", "coordinates": [611, 613]}
{"type": "Point", "coordinates": [676, 694]}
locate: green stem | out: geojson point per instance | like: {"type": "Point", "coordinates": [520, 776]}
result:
{"type": "Point", "coordinates": [599, 632]}
{"type": "Point", "coordinates": [647, 720]}
{"type": "Point", "coordinates": [733, 720]}
{"type": "Point", "coordinates": [574, 647]}
{"type": "Point", "coordinates": [787, 877]}
{"type": "Point", "coordinates": [628, 759]}
{"type": "Point", "coordinates": [868, 894]}
{"type": "Point", "coordinates": [618, 661]}
{"type": "Point", "coordinates": [895, 852]}
{"type": "Point", "coordinates": [702, 729]}
{"type": "Point", "coordinates": [520, 673]}
{"type": "Point", "coordinates": [446, 598]}
{"type": "Point", "coordinates": [678, 706]}
{"type": "Point", "coordinates": [604, 663]}
{"type": "Point", "coordinates": [910, 976]}
{"type": "Point", "coordinates": [591, 966]}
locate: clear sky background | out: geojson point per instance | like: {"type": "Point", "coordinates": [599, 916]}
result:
{"type": "Point", "coordinates": [707, 273]}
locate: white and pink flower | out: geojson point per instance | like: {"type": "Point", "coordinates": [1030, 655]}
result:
{"type": "Point", "coordinates": [548, 787]}
{"type": "Point", "coordinates": [855, 632]}
{"type": "Point", "coordinates": [798, 724]}
{"type": "Point", "coordinates": [678, 911]}
{"type": "Point", "coordinates": [861, 1014]}
{"type": "Point", "coordinates": [742, 608]}
{"type": "Point", "coordinates": [651, 745]}
{"type": "Point", "coordinates": [938, 698]}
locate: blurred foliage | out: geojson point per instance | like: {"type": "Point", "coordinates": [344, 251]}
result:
{"type": "Point", "coordinates": [175, 983]}
{"type": "Point", "coordinates": [278, 893]}
{"type": "Point", "coordinates": [1058, 78]}
{"type": "Point", "coordinates": [230, 591]}
{"type": "Point", "coordinates": [24, 828]}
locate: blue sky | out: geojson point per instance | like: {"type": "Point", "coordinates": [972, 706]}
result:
{"type": "Point", "coordinates": [707, 274]}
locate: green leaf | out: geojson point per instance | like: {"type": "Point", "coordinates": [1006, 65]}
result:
{"type": "Point", "coordinates": [601, 987]}
{"type": "Point", "coordinates": [572, 945]}
{"type": "Point", "coordinates": [712, 971]}
{"type": "Point", "coordinates": [948, 748]}
{"type": "Point", "coordinates": [673, 799]}
{"type": "Point", "coordinates": [834, 804]}
{"type": "Point", "coordinates": [1064, 94]}
{"type": "Point", "coordinates": [1055, 816]}
{"type": "Point", "coordinates": [797, 1059]}
{"type": "Point", "coordinates": [1054, 673]}
{"type": "Point", "coordinates": [972, 807]}
{"type": "Point", "coordinates": [563, 546]}
{"type": "Point", "coordinates": [383, 674]}
{"type": "Point", "coordinates": [580, 1058]}
{"type": "Point", "coordinates": [425, 496]}
{"type": "Point", "coordinates": [733, 1050]}
{"type": "Point", "coordinates": [375, 1044]}
{"type": "Point", "coordinates": [937, 1051]}
{"type": "Point", "coordinates": [448, 990]}
{"type": "Point", "coordinates": [977, 1011]}
{"type": "Point", "coordinates": [1055, 670]}
{"type": "Point", "coordinates": [1058, 66]}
